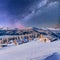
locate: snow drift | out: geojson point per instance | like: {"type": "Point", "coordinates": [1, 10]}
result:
{"type": "Point", "coordinates": [34, 50]}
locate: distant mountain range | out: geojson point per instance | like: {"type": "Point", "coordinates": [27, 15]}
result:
{"type": "Point", "coordinates": [48, 32]}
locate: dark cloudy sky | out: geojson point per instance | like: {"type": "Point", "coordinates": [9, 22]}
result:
{"type": "Point", "coordinates": [29, 13]}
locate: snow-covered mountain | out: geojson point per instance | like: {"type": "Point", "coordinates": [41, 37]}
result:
{"type": "Point", "coordinates": [35, 49]}
{"type": "Point", "coordinates": [54, 33]}
{"type": "Point", "coordinates": [50, 32]}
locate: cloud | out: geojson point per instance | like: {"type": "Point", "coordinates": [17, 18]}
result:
{"type": "Point", "coordinates": [42, 3]}
{"type": "Point", "coordinates": [45, 15]}
{"type": "Point", "coordinates": [29, 12]}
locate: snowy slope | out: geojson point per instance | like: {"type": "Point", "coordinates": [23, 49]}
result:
{"type": "Point", "coordinates": [34, 50]}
